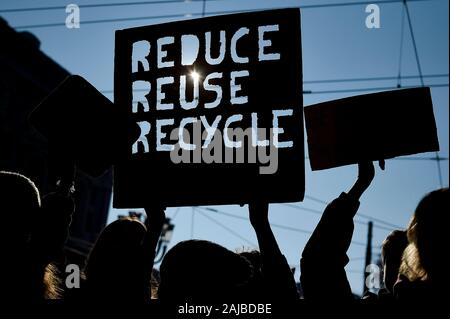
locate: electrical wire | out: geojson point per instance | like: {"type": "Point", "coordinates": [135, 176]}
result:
{"type": "Point", "coordinates": [391, 226]}
{"type": "Point", "coordinates": [329, 5]}
{"type": "Point", "coordinates": [400, 59]}
{"type": "Point", "coordinates": [99, 5]}
{"type": "Point", "coordinates": [298, 230]}
{"type": "Point", "coordinates": [419, 69]}
{"type": "Point", "coordinates": [231, 231]}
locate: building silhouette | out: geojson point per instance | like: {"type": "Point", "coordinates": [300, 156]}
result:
{"type": "Point", "coordinates": [27, 76]}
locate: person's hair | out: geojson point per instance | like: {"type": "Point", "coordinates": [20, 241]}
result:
{"type": "Point", "coordinates": [392, 250]}
{"type": "Point", "coordinates": [52, 283]}
{"type": "Point", "coordinates": [394, 243]}
{"type": "Point", "coordinates": [114, 266]}
{"type": "Point", "coordinates": [18, 196]}
{"type": "Point", "coordinates": [20, 204]}
{"type": "Point", "coordinates": [254, 257]}
{"type": "Point", "coordinates": [198, 269]}
{"type": "Point", "coordinates": [427, 236]}
{"type": "Point", "coordinates": [154, 283]}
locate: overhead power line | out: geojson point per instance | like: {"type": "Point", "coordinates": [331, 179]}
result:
{"type": "Point", "coordinates": [177, 211]}
{"type": "Point", "coordinates": [349, 90]}
{"type": "Point", "coordinates": [388, 226]}
{"type": "Point", "coordinates": [327, 81]}
{"type": "Point", "coordinates": [101, 5]}
{"type": "Point", "coordinates": [199, 14]}
{"type": "Point", "coordinates": [381, 221]}
{"type": "Point", "coordinates": [231, 231]}
{"type": "Point", "coordinates": [314, 211]}
{"type": "Point", "coordinates": [298, 230]}
{"type": "Point", "coordinates": [413, 158]}
{"type": "Point", "coordinates": [86, 22]}
{"type": "Point", "coordinates": [204, 8]}
{"type": "Point", "coordinates": [400, 59]}
{"type": "Point", "coordinates": [419, 69]}
{"type": "Point", "coordinates": [381, 78]}
{"type": "Point", "coordinates": [393, 226]}
{"type": "Point", "coordinates": [413, 38]}
{"type": "Point", "coordinates": [368, 89]}
{"type": "Point", "coordinates": [155, 2]}
{"type": "Point", "coordinates": [357, 3]}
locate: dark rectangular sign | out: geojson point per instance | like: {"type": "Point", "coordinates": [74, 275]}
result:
{"type": "Point", "coordinates": [219, 103]}
{"type": "Point", "coordinates": [370, 127]}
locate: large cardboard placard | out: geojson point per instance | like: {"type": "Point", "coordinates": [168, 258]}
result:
{"type": "Point", "coordinates": [84, 127]}
{"type": "Point", "coordinates": [371, 127]}
{"type": "Point", "coordinates": [212, 75]}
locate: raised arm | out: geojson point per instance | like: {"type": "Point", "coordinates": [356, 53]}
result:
{"type": "Point", "coordinates": [366, 174]}
{"type": "Point", "coordinates": [325, 255]}
{"type": "Point", "coordinates": [276, 271]}
{"type": "Point", "coordinates": [155, 220]}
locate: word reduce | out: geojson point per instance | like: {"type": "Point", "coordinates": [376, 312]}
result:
{"type": "Point", "coordinates": [193, 91]}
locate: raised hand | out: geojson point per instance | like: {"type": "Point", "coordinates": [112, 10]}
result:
{"type": "Point", "coordinates": [275, 269]}
{"type": "Point", "coordinates": [366, 174]}
{"type": "Point", "coordinates": [156, 216]}
{"type": "Point", "coordinates": [259, 214]}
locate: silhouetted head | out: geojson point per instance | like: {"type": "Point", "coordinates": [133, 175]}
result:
{"type": "Point", "coordinates": [28, 279]}
{"type": "Point", "coordinates": [391, 252]}
{"type": "Point", "coordinates": [114, 267]}
{"type": "Point", "coordinates": [257, 283]}
{"type": "Point", "coordinates": [202, 270]}
{"type": "Point", "coordinates": [19, 208]}
{"type": "Point", "coordinates": [254, 257]}
{"type": "Point", "coordinates": [428, 239]}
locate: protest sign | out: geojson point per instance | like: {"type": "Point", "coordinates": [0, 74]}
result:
{"type": "Point", "coordinates": [84, 127]}
{"type": "Point", "coordinates": [370, 127]}
{"type": "Point", "coordinates": [219, 104]}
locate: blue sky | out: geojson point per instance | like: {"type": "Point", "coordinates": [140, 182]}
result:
{"type": "Point", "coordinates": [336, 45]}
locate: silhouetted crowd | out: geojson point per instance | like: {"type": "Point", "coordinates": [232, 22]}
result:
{"type": "Point", "coordinates": [120, 265]}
